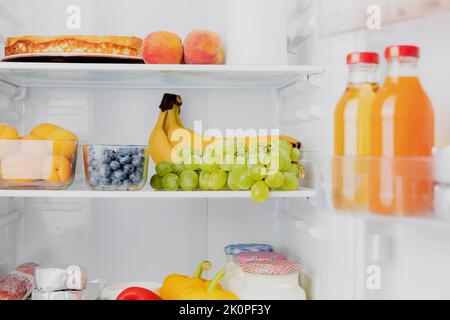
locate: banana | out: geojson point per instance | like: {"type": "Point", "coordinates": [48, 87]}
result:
{"type": "Point", "coordinates": [159, 145]}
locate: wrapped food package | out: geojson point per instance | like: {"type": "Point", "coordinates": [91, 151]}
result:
{"type": "Point", "coordinates": [19, 283]}
{"type": "Point", "coordinates": [57, 295]}
{"type": "Point", "coordinates": [72, 277]}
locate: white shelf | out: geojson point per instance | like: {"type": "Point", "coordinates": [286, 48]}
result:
{"type": "Point", "coordinates": [80, 190]}
{"type": "Point", "coordinates": [25, 74]}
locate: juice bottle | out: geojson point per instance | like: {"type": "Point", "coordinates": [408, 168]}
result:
{"type": "Point", "coordinates": [402, 135]}
{"type": "Point", "coordinates": [352, 133]}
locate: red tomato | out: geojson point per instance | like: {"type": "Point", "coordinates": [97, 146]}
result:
{"type": "Point", "coordinates": [136, 293]}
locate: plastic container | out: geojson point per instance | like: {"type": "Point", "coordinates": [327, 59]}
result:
{"type": "Point", "coordinates": [37, 164]}
{"type": "Point", "coordinates": [270, 280]}
{"type": "Point", "coordinates": [403, 185]}
{"type": "Point", "coordinates": [257, 32]}
{"type": "Point", "coordinates": [115, 168]}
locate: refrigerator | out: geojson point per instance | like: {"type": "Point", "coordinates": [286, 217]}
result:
{"type": "Point", "coordinates": [147, 235]}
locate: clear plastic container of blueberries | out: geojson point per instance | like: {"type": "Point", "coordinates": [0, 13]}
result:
{"type": "Point", "coordinates": [115, 168]}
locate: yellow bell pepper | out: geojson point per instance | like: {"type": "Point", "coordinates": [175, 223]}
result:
{"type": "Point", "coordinates": [175, 284]}
{"type": "Point", "coordinates": [211, 292]}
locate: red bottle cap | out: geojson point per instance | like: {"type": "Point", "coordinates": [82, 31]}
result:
{"type": "Point", "coordinates": [363, 57]}
{"type": "Point", "coordinates": [402, 51]}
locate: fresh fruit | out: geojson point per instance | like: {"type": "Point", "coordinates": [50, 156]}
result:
{"type": "Point", "coordinates": [56, 169]}
{"type": "Point", "coordinates": [8, 132]}
{"type": "Point", "coordinates": [20, 168]}
{"type": "Point", "coordinates": [35, 147]}
{"type": "Point", "coordinates": [178, 168]}
{"type": "Point", "coordinates": [257, 172]}
{"type": "Point", "coordinates": [203, 47]}
{"type": "Point", "coordinates": [217, 180]}
{"type": "Point", "coordinates": [156, 182]}
{"type": "Point", "coordinates": [64, 142]}
{"type": "Point", "coordinates": [245, 181]}
{"type": "Point", "coordinates": [136, 293]}
{"type": "Point", "coordinates": [290, 183]}
{"type": "Point", "coordinates": [159, 145]}
{"type": "Point", "coordinates": [275, 181]}
{"type": "Point", "coordinates": [295, 154]}
{"type": "Point", "coordinates": [260, 192]}
{"type": "Point", "coordinates": [162, 48]}
{"type": "Point", "coordinates": [43, 131]}
{"type": "Point", "coordinates": [163, 168]}
{"type": "Point", "coordinates": [171, 182]}
{"type": "Point", "coordinates": [232, 180]}
{"type": "Point", "coordinates": [188, 180]}
{"type": "Point", "coordinates": [203, 180]}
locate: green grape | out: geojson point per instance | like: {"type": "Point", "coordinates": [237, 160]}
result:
{"type": "Point", "coordinates": [294, 169]}
{"type": "Point", "coordinates": [209, 167]}
{"type": "Point", "coordinates": [226, 167]}
{"type": "Point", "coordinates": [188, 180]}
{"type": "Point", "coordinates": [285, 161]}
{"type": "Point", "coordinates": [275, 181]}
{"type": "Point", "coordinates": [232, 180]}
{"type": "Point", "coordinates": [178, 168]}
{"type": "Point", "coordinates": [245, 181]}
{"type": "Point", "coordinates": [170, 182]}
{"type": "Point", "coordinates": [163, 168]}
{"type": "Point", "coordinates": [257, 172]}
{"type": "Point", "coordinates": [156, 182]}
{"type": "Point", "coordinates": [239, 167]}
{"type": "Point", "coordinates": [285, 146]}
{"type": "Point", "coordinates": [291, 182]}
{"type": "Point", "coordinates": [203, 180]}
{"type": "Point", "coordinates": [193, 162]}
{"type": "Point", "coordinates": [295, 154]}
{"type": "Point", "coordinates": [260, 192]}
{"type": "Point", "coordinates": [217, 180]}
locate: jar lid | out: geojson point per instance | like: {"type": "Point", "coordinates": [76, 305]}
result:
{"type": "Point", "coordinates": [244, 257]}
{"type": "Point", "coordinates": [241, 247]}
{"type": "Point", "coordinates": [363, 57]}
{"type": "Point", "coordinates": [402, 51]}
{"type": "Point", "coordinates": [271, 268]}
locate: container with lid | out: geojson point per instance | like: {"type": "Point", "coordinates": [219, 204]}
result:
{"type": "Point", "coordinates": [270, 280]}
{"type": "Point", "coordinates": [233, 269]}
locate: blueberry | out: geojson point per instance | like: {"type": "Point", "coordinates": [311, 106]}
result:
{"type": "Point", "coordinates": [91, 151]}
{"type": "Point", "coordinates": [105, 181]}
{"type": "Point", "coordinates": [128, 168]}
{"type": "Point", "coordinates": [122, 152]}
{"type": "Point", "coordinates": [114, 165]}
{"type": "Point", "coordinates": [136, 177]}
{"type": "Point", "coordinates": [117, 182]}
{"type": "Point", "coordinates": [105, 171]}
{"type": "Point", "coordinates": [94, 180]}
{"type": "Point", "coordinates": [125, 160]}
{"type": "Point", "coordinates": [91, 158]}
{"type": "Point", "coordinates": [119, 174]}
{"type": "Point", "coordinates": [108, 158]}
{"type": "Point", "coordinates": [136, 161]}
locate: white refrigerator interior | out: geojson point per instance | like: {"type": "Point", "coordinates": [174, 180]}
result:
{"type": "Point", "coordinates": [144, 237]}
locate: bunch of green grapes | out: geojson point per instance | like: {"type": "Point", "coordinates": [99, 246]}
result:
{"type": "Point", "coordinates": [226, 166]}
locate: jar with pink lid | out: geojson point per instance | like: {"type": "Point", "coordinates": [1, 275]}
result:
{"type": "Point", "coordinates": [270, 280]}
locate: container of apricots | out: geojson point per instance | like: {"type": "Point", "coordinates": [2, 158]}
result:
{"type": "Point", "coordinates": [43, 159]}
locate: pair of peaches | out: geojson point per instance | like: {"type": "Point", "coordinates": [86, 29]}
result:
{"type": "Point", "coordinates": [199, 47]}
{"type": "Point", "coordinates": [46, 153]}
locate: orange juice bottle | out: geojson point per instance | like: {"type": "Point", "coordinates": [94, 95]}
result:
{"type": "Point", "coordinates": [402, 134]}
{"type": "Point", "coordinates": [352, 133]}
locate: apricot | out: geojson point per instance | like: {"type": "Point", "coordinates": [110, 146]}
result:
{"type": "Point", "coordinates": [162, 48]}
{"type": "Point", "coordinates": [35, 147]}
{"type": "Point", "coordinates": [8, 132]}
{"type": "Point", "coordinates": [203, 47]}
{"type": "Point", "coordinates": [64, 143]}
{"type": "Point", "coordinates": [56, 168]}
{"type": "Point", "coordinates": [43, 131]}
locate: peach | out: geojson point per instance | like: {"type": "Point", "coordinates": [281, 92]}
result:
{"type": "Point", "coordinates": [20, 167]}
{"type": "Point", "coordinates": [56, 169]}
{"type": "Point", "coordinates": [35, 147]}
{"type": "Point", "coordinates": [162, 48]}
{"type": "Point", "coordinates": [203, 47]}
{"type": "Point", "coordinates": [64, 143]}
{"type": "Point", "coordinates": [8, 132]}
{"type": "Point", "coordinates": [43, 131]}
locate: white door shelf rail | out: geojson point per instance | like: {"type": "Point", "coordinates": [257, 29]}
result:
{"type": "Point", "coordinates": [80, 190]}
{"type": "Point", "coordinates": [28, 74]}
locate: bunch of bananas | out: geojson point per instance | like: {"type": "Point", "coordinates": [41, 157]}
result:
{"type": "Point", "coordinates": [169, 135]}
